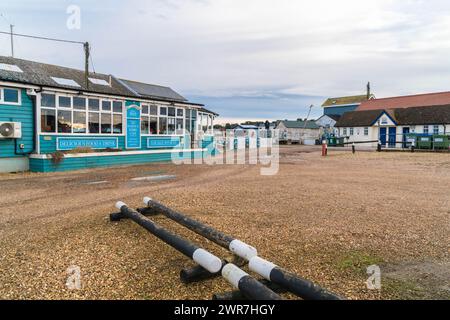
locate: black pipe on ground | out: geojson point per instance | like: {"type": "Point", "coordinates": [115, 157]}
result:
{"type": "Point", "coordinates": [299, 286]}
{"type": "Point", "coordinates": [250, 287]}
{"type": "Point", "coordinates": [237, 247]}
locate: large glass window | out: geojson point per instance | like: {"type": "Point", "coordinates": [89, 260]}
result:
{"type": "Point", "coordinates": [65, 102]}
{"type": "Point", "coordinates": [188, 121]}
{"type": "Point", "coordinates": [171, 126]}
{"type": "Point", "coordinates": [163, 111]}
{"type": "Point", "coordinates": [179, 126]}
{"type": "Point", "coordinates": [94, 122]}
{"type": "Point", "coordinates": [72, 116]}
{"type": "Point", "coordinates": [64, 121]}
{"type": "Point", "coordinates": [48, 100]}
{"type": "Point", "coordinates": [106, 105]}
{"type": "Point", "coordinates": [144, 125]}
{"type": "Point", "coordinates": [145, 109]}
{"type": "Point", "coordinates": [106, 122]}
{"type": "Point", "coordinates": [162, 125]}
{"type": "Point", "coordinates": [79, 122]}
{"type": "Point", "coordinates": [11, 95]}
{"type": "Point", "coordinates": [117, 124]}
{"type": "Point", "coordinates": [153, 125]}
{"type": "Point", "coordinates": [117, 106]}
{"type": "Point", "coordinates": [79, 103]}
{"type": "Point", "coordinates": [94, 105]}
{"type": "Point", "coordinates": [48, 121]}
{"type": "Point", "coordinates": [153, 110]}
{"type": "Point", "coordinates": [171, 112]}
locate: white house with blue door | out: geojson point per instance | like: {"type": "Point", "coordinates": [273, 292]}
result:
{"type": "Point", "coordinates": [391, 126]}
{"type": "Point", "coordinates": [54, 118]}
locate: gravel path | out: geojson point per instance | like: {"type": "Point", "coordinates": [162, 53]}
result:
{"type": "Point", "coordinates": [326, 219]}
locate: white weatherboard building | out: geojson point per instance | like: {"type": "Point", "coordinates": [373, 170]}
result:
{"type": "Point", "coordinates": [299, 132]}
{"type": "Point", "coordinates": [391, 127]}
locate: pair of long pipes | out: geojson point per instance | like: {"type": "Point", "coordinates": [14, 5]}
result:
{"type": "Point", "coordinates": [271, 272]}
{"type": "Point", "coordinates": [250, 287]}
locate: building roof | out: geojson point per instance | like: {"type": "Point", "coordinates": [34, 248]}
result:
{"type": "Point", "coordinates": [246, 127]}
{"type": "Point", "coordinates": [428, 115]}
{"type": "Point", "coordinates": [422, 115]}
{"type": "Point", "coordinates": [153, 91]}
{"type": "Point", "coordinates": [418, 100]}
{"type": "Point", "coordinates": [359, 118]}
{"type": "Point", "coordinates": [53, 76]}
{"type": "Point", "coordinates": [42, 74]}
{"type": "Point", "coordinates": [310, 124]}
{"type": "Point", "coordinates": [350, 100]}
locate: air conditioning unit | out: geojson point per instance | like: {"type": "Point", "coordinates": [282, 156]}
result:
{"type": "Point", "coordinates": [10, 130]}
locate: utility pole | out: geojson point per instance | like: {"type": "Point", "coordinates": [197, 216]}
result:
{"type": "Point", "coordinates": [12, 40]}
{"type": "Point", "coordinates": [86, 64]}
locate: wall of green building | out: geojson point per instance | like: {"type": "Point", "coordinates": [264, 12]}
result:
{"type": "Point", "coordinates": [80, 163]}
{"type": "Point", "coordinates": [9, 148]}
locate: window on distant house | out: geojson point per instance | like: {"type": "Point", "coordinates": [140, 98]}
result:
{"type": "Point", "coordinates": [426, 129]}
{"type": "Point", "coordinates": [436, 129]}
{"type": "Point", "coordinates": [352, 131]}
{"type": "Point", "coordinates": [366, 131]}
{"type": "Point", "coordinates": [345, 131]}
{"type": "Point", "coordinates": [384, 120]}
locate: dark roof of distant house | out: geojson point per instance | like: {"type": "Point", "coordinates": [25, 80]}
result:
{"type": "Point", "coordinates": [335, 117]}
{"type": "Point", "coordinates": [428, 115]}
{"type": "Point", "coordinates": [246, 126]}
{"type": "Point", "coordinates": [310, 124]}
{"type": "Point", "coordinates": [342, 101]}
{"type": "Point", "coordinates": [418, 100]}
{"type": "Point", "coordinates": [359, 118]}
{"type": "Point", "coordinates": [153, 91]}
{"type": "Point", "coordinates": [422, 115]}
{"type": "Point", "coordinates": [40, 74]}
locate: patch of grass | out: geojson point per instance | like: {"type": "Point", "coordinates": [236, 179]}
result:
{"type": "Point", "coordinates": [403, 289]}
{"type": "Point", "coordinates": [357, 261]}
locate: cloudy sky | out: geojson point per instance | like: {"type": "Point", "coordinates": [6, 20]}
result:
{"type": "Point", "coordinates": [249, 59]}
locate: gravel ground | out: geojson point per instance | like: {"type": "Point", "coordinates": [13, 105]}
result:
{"type": "Point", "coordinates": [325, 219]}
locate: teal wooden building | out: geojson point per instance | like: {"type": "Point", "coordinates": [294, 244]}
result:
{"type": "Point", "coordinates": [54, 118]}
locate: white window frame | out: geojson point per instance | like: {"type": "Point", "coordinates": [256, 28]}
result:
{"type": "Point", "coordinates": [19, 95]}
{"type": "Point", "coordinates": [352, 131]}
{"type": "Point", "coordinates": [427, 131]}
{"type": "Point", "coordinates": [86, 110]}
{"type": "Point", "coordinates": [436, 126]}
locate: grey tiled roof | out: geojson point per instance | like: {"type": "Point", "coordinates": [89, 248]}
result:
{"type": "Point", "coordinates": [41, 74]}
{"type": "Point", "coordinates": [310, 124]}
{"type": "Point", "coordinates": [153, 91]}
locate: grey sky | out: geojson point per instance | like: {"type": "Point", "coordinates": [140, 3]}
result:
{"type": "Point", "coordinates": [233, 54]}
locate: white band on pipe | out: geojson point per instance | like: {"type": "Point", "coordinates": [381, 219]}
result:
{"type": "Point", "coordinates": [233, 274]}
{"type": "Point", "coordinates": [207, 260]}
{"type": "Point", "coordinates": [147, 200]}
{"type": "Point", "coordinates": [120, 204]}
{"type": "Point", "coordinates": [261, 267]}
{"type": "Point", "coordinates": [243, 250]}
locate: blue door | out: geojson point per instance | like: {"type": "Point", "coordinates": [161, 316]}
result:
{"type": "Point", "coordinates": [383, 136]}
{"type": "Point", "coordinates": [392, 137]}
{"type": "Point", "coordinates": [405, 132]}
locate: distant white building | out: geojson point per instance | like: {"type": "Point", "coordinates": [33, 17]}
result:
{"type": "Point", "coordinates": [305, 132]}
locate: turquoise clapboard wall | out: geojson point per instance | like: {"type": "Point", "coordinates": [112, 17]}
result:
{"type": "Point", "coordinates": [24, 114]}
{"type": "Point", "coordinates": [80, 163]}
{"type": "Point", "coordinates": [48, 142]}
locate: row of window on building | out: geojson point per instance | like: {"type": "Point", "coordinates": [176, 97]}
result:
{"type": "Point", "coordinates": [351, 131]}
{"type": "Point", "coordinates": [81, 115]}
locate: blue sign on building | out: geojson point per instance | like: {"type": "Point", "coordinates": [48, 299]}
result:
{"type": "Point", "coordinates": [163, 142]}
{"type": "Point", "coordinates": [67, 143]}
{"type": "Point", "coordinates": [133, 140]}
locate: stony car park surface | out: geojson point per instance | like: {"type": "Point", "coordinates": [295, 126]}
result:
{"type": "Point", "coordinates": [326, 219]}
